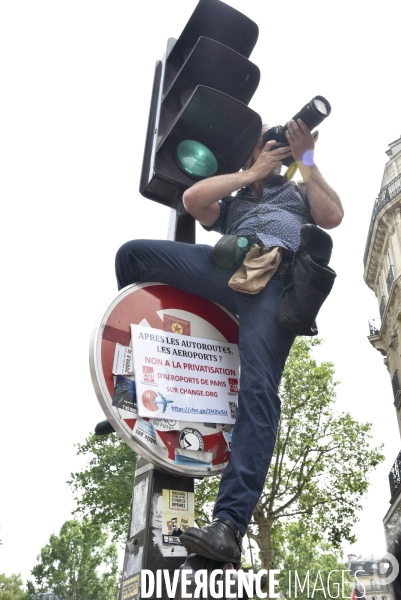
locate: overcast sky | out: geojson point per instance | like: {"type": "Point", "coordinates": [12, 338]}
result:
{"type": "Point", "coordinates": [76, 81]}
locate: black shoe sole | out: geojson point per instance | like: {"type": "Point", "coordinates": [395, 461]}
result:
{"type": "Point", "coordinates": [104, 428]}
{"type": "Point", "coordinates": [195, 546]}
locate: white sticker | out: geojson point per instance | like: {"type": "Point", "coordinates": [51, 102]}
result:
{"type": "Point", "coordinates": [228, 437]}
{"type": "Point", "coordinates": [165, 424]}
{"type": "Point", "coordinates": [144, 431]}
{"type": "Point", "coordinates": [171, 425]}
{"type": "Point", "coordinates": [123, 360]}
{"type": "Point", "coordinates": [193, 458]}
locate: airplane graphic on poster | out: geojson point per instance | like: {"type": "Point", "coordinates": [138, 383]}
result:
{"type": "Point", "coordinates": [164, 402]}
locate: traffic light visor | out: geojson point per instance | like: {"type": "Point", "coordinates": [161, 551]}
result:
{"type": "Point", "coordinates": [215, 20]}
{"type": "Point", "coordinates": [212, 129]}
{"type": "Point", "coordinates": [195, 159]}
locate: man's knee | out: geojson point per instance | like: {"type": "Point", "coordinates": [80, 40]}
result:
{"type": "Point", "coordinates": [126, 264]}
{"type": "Point", "coordinates": [122, 254]}
{"type": "Point", "coordinates": [127, 253]}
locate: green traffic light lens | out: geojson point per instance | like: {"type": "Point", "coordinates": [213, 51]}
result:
{"type": "Point", "coordinates": [196, 159]}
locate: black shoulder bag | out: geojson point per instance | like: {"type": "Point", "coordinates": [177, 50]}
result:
{"type": "Point", "coordinates": [309, 283]}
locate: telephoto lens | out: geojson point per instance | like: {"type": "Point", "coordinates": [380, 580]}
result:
{"type": "Point", "coordinates": [312, 114]}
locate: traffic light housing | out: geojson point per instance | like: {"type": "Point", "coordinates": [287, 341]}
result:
{"type": "Point", "coordinates": [199, 122]}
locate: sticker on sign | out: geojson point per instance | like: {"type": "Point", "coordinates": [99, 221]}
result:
{"type": "Point", "coordinates": [184, 377]}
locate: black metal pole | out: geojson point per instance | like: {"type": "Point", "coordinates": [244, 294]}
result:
{"type": "Point", "coordinates": [145, 548]}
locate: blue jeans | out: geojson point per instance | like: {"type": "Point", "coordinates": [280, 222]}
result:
{"type": "Point", "coordinates": [263, 348]}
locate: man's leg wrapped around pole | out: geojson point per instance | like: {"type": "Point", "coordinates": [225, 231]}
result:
{"type": "Point", "coordinates": [264, 347]}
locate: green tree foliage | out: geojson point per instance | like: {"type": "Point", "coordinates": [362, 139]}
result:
{"type": "Point", "coordinates": [322, 460]}
{"type": "Point", "coordinates": [205, 495]}
{"type": "Point", "coordinates": [30, 588]}
{"type": "Point", "coordinates": [304, 557]}
{"type": "Point", "coordinates": [104, 487]}
{"type": "Point", "coordinates": [11, 588]}
{"type": "Point", "coordinates": [78, 564]}
{"type": "Point", "coordinates": [320, 467]}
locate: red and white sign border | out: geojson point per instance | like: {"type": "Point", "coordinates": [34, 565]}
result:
{"type": "Point", "coordinates": [122, 421]}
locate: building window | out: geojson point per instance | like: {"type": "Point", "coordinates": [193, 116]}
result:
{"type": "Point", "coordinates": [372, 584]}
{"type": "Point", "coordinates": [382, 298]}
{"type": "Point", "coordinates": [390, 272]}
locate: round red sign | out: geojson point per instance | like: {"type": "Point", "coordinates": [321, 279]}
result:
{"type": "Point", "coordinates": [180, 446]}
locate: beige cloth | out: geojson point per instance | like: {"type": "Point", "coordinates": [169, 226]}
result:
{"type": "Point", "coordinates": [259, 266]}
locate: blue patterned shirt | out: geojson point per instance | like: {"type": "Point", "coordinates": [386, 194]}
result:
{"type": "Point", "coordinates": [276, 218]}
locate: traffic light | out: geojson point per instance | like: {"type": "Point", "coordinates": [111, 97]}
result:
{"type": "Point", "coordinates": [199, 122]}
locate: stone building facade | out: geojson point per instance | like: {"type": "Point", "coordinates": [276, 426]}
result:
{"type": "Point", "coordinates": [369, 575]}
{"type": "Point", "coordinates": [382, 273]}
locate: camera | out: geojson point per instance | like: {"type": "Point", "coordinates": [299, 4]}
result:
{"type": "Point", "coordinates": [312, 114]}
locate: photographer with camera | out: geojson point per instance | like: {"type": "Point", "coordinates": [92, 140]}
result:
{"type": "Point", "coordinates": [271, 209]}
{"type": "Point", "coordinates": [268, 210]}
{"type": "Point", "coordinates": [201, 200]}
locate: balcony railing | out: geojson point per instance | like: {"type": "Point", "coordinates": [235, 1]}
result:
{"type": "Point", "coordinates": [374, 326]}
{"type": "Point", "coordinates": [395, 475]}
{"type": "Point", "coordinates": [386, 194]}
{"type": "Point", "coordinates": [390, 279]}
{"type": "Point", "coordinates": [373, 588]}
{"type": "Point", "coordinates": [382, 307]}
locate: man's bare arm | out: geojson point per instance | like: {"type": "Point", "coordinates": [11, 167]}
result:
{"type": "Point", "coordinates": [201, 200]}
{"type": "Point", "coordinates": [325, 204]}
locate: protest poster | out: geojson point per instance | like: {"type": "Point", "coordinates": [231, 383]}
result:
{"type": "Point", "coordinates": [178, 514]}
{"type": "Point", "coordinates": [184, 377]}
{"type": "Point", "coordinates": [130, 588]}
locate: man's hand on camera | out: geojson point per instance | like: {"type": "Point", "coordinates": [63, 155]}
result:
{"type": "Point", "coordinates": [269, 161]}
{"type": "Point", "coordinates": [325, 205]}
{"type": "Point", "coordinates": [301, 142]}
